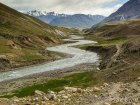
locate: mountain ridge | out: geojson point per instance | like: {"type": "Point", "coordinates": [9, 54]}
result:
{"type": "Point", "coordinates": [66, 20]}
{"type": "Point", "coordinates": [129, 10]}
{"type": "Point", "coordinates": [78, 21]}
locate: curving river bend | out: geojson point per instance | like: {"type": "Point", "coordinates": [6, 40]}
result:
{"type": "Point", "coordinates": [79, 57]}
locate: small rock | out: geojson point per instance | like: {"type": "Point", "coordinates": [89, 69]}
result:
{"type": "Point", "coordinates": [62, 92]}
{"type": "Point", "coordinates": [36, 99]}
{"type": "Point", "coordinates": [16, 100]}
{"type": "Point", "coordinates": [38, 92]}
{"type": "Point", "coordinates": [3, 56]}
{"type": "Point", "coordinates": [134, 104]}
{"type": "Point", "coordinates": [95, 89]}
{"type": "Point", "coordinates": [51, 92]}
{"type": "Point", "coordinates": [98, 68]}
{"type": "Point", "coordinates": [51, 97]}
{"type": "Point", "coordinates": [58, 100]}
{"type": "Point", "coordinates": [105, 84]}
{"type": "Point", "coordinates": [45, 98]}
{"type": "Point", "coordinates": [126, 90]}
{"type": "Point", "coordinates": [106, 103]}
{"type": "Point", "coordinates": [89, 90]}
{"type": "Point", "coordinates": [43, 103]}
{"type": "Point", "coordinates": [71, 89]}
{"type": "Point", "coordinates": [65, 97]}
{"type": "Point", "coordinates": [138, 79]}
{"type": "Point", "coordinates": [95, 96]}
{"type": "Point", "coordinates": [69, 99]}
{"type": "Point", "coordinates": [79, 90]}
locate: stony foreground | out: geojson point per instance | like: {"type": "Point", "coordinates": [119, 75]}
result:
{"type": "Point", "coordinates": [106, 94]}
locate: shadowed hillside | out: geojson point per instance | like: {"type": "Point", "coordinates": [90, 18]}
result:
{"type": "Point", "coordinates": [117, 29]}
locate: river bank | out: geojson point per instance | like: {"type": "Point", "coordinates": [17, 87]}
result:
{"type": "Point", "coordinates": [71, 88]}
{"type": "Point", "coordinates": [77, 61]}
{"type": "Point", "coordinates": [78, 57]}
{"type": "Point", "coordinates": [50, 57]}
{"type": "Point", "coordinates": [7, 87]}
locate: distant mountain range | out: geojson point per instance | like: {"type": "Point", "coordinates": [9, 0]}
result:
{"type": "Point", "coordinates": [74, 21]}
{"type": "Point", "coordinates": [77, 21]}
{"type": "Point", "coordinates": [129, 10]}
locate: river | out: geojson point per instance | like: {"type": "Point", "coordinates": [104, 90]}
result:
{"type": "Point", "coordinates": [78, 57]}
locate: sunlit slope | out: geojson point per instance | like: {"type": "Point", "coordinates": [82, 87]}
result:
{"type": "Point", "coordinates": [23, 38]}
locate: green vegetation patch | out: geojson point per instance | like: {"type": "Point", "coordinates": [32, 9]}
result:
{"type": "Point", "coordinates": [107, 41]}
{"type": "Point", "coordinates": [79, 80]}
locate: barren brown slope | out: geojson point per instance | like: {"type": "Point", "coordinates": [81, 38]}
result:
{"type": "Point", "coordinates": [122, 28]}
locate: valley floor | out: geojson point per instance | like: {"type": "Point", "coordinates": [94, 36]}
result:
{"type": "Point", "coordinates": [117, 82]}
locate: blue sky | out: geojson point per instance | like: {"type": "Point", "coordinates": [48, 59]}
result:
{"type": "Point", "coordinates": [101, 7]}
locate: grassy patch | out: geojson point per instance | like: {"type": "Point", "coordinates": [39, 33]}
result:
{"type": "Point", "coordinates": [105, 41]}
{"type": "Point", "coordinates": [112, 41]}
{"type": "Point", "coordinates": [79, 80]}
{"type": "Point", "coordinates": [31, 57]}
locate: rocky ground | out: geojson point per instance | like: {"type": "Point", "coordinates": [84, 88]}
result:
{"type": "Point", "coordinates": [14, 84]}
{"type": "Point", "coordinates": [105, 94]}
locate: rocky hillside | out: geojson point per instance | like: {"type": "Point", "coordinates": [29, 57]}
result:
{"type": "Point", "coordinates": [129, 10]}
{"type": "Point", "coordinates": [23, 38]}
{"type": "Point", "coordinates": [117, 29]}
{"type": "Point", "coordinates": [74, 21]}
{"type": "Point", "coordinates": [121, 42]}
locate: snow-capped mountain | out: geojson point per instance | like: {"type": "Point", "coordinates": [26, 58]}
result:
{"type": "Point", "coordinates": [45, 16]}
{"type": "Point", "coordinates": [36, 13]}
{"type": "Point", "coordinates": [74, 21]}
{"type": "Point", "coordinates": [40, 13]}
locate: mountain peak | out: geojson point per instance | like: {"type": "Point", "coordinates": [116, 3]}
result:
{"type": "Point", "coordinates": [36, 13]}
{"type": "Point", "coordinates": [129, 10]}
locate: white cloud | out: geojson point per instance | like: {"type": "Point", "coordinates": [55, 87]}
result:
{"type": "Point", "coordinates": [107, 11]}
{"type": "Point", "coordinates": [63, 6]}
